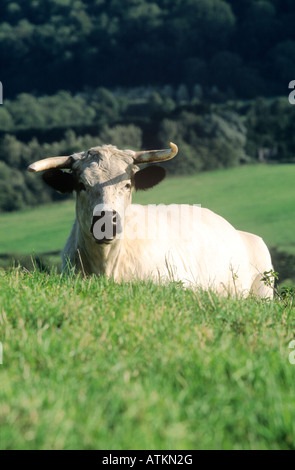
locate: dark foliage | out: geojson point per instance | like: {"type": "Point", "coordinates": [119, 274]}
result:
{"type": "Point", "coordinates": [284, 264]}
{"type": "Point", "coordinates": [246, 46]}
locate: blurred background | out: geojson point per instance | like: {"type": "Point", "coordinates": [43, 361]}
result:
{"type": "Point", "coordinates": [209, 75]}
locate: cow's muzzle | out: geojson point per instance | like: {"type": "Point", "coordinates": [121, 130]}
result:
{"type": "Point", "coordinates": [105, 226]}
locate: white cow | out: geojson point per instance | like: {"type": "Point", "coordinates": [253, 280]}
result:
{"type": "Point", "coordinates": [113, 237]}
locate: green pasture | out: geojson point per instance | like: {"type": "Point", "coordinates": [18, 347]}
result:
{"type": "Point", "coordinates": [90, 364]}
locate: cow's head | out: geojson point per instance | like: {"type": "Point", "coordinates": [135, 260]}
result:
{"type": "Point", "coordinates": [103, 179]}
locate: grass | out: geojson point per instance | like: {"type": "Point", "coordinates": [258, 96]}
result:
{"type": "Point", "coordinates": [90, 364]}
{"type": "Point", "coordinates": [37, 230]}
{"type": "Point", "coordinates": [259, 199]}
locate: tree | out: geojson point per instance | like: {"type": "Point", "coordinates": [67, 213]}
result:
{"type": "Point", "coordinates": [6, 121]}
{"type": "Point", "coordinates": [122, 136]}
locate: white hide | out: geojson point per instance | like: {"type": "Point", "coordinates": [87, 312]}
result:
{"type": "Point", "coordinates": [208, 253]}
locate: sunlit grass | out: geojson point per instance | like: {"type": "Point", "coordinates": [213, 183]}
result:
{"type": "Point", "coordinates": [90, 364]}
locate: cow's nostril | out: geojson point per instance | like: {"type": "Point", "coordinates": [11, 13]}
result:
{"type": "Point", "coordinates": [104, 225]}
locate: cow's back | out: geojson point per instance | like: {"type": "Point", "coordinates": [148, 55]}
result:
{"type": "Point", "coordinates": [186, 243]}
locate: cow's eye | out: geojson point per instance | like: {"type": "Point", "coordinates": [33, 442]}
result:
{"type": "Point", "coordinates": [128, 186]}
{"type": "Point", "coordinates": [81, 187]}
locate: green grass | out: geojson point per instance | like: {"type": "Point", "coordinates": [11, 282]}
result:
{"type": "Point", "coordinates": [88, 364]}
{"type": "Point", "coordinates": [259, 199]}
{"type": "Point", "coordinates": [37, 230]}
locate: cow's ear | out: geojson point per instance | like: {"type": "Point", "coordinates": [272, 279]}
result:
{"type": "Point", "coordinates": [59, 180]}
{"type": "Point", "coordinates": [148, 177]}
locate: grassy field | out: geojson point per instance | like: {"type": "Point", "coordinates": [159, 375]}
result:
{"type": "Point", "coordinates": [88, 364]}
{"type": "Point", "coordinates": [259, 199]}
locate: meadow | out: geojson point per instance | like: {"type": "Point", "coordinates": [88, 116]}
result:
{"type": "Point", "coordinates": [90, 364]}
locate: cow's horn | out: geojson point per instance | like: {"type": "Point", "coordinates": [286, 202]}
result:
{"type": "Point", "coordinates": [53, 162]}
{"type": "Point", "coordinates": [152, 156]}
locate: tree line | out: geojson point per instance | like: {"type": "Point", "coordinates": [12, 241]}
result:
{"type": "Point", "coordinates": [245, 47]}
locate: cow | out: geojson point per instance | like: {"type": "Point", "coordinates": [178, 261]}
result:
{"type": "Point", "coordinates": [111, 236]}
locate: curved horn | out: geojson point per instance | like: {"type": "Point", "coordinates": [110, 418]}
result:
{"type": "Point", "coordinates": [152, 156]}
{"type": "Point", "coordinates": [53, 162]}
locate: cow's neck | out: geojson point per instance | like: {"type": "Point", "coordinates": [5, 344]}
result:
{"type": "Point", "coordinates": [99, 259]}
